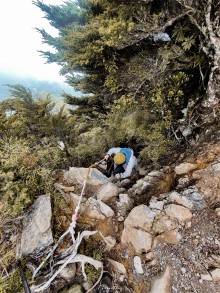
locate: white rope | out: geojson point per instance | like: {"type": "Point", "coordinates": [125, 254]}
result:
{"type": "Point", "coordinates": [80, 198]}
{"type": "Point", "coordinates": [74, 257]}
{"type": "Point", "coordinates": [73, 224]}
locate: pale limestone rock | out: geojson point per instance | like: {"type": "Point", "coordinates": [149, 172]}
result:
{"type": "Point", "coordinates": [75, 199]}
{"type": "Point", "coordinates": [140, 187]}
{"type": "Point", "coordinates": [75, 289]}
{"type": "Point", "coordinates": [215, 274]}
{"type": "Point", "coordinates": [92, 210]}
{"type": "Point", "coordinates": [185, 168]}
{"type": "Point", "coordinates": [87, 285]}
{"type": "Point", "coordinates": [155, 204]}
{"type": "Point", "coordinates": [155, 243]}
{"type": "Point", "coordinates": [183, 181]}
{"type": "Point", "coordinates": [217, 211]}
{"type": "Point", "coordinates": [145, 186]}
{"type": "Point", "coordinates": [95, 214]}
{"type": "Point", "coordinates": [141, 217]}
{"type": "Point", "coordinates": [182, 200]}
{"type": "Point", "coordinates": [125, 199]}
{"type": "Point", "coordinates": [149, 256]}
{"type": "Point", "coordinates": [180, 213]}
{"type": "Point", "coordinates": [68, 272]}
{"type": "Point", "coordinates": [121, 278]}
{"type": "Point", "coordinates": [183, 271]}
{"type": "Point", "coordinates": [140, 240]}
{"type": "Point", "coordinates": [107, 191]}
{"type": "Point", "coordinates": [163, 224]}
{"type": "Point", "coordinates": [188, 224]}
{"type": "Point", "coordinates": [161, 284]}
{"type": "Point", "coordinates": [138, 265]}
{"type": "Point", "coordinates": [207, 181]}
{"type": "Point", "coordinates": [69, 188]}
{"type": "Point", "coordinates": [138, 183]}
{"type": "Point", "coordinates": [157, 174]}
{"type": "Point", "coordinates": [170, 237]}
{"type": "Point", "coordinates": [80, 174]}
{"type": "Point", "coordinates": [119, 267]}
{"type": "Point", "coordinates": [195, 197]}
{"type": "Point", "coordinates": [97, 209]}
{"type": "Point", "coordinates": [206, 277]}
{"type": "Point", "coordinates": [37, 233]}
{"type": "Point", "coordinates": [124, 204]}
{"type": "Point", "coordinates": [43, 219]}
{"type": "Point", "coordinates": [152, 263]}
{"type": "Point", "coordinates": [149, 180]}
{"type": "Point", "coordinates": [142, 172]}
{"type": "Point", "coordinates": [105, 209]}
{"type": "Point", "coordinates": [65, 188]}
{"type": "Point", "coordinates": [111, 241]}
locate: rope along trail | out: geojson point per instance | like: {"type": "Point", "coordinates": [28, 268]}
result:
{"type": "Point", "coordinates": [73, 257]}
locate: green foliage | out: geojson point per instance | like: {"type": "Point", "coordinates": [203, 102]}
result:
{"type": "Point", "coordinates": [89, 148]}
{"type": "Point", "coordinates": [158, 143]}
{"type": "Point", "coordinates": [90, 46]}
{"type": "Point", "coordinates": [135, 87]}
{"type": "Point", "coordinates": [184, 35]}
{"type": "Point", "coordinates": [108, 43]}
{"type": "Point", "coordinates": [11, 284]}
{"type": "Point", "coordinates": [120, 121]}
{"type": "Point", "coordinates": [25, 173]}
{"type": "Point", "coordinates": [30, 116]}
{"type": "Point", "coordinates": [63, 15]}
{"type": "Point", "coordinates": [148, 121]}
{"type": "Point", "coordinates": [19, 91]}
{"type": "Point", "coordinates": [95, 251]}
{"type": "Point", "coordinates": [167, 98]}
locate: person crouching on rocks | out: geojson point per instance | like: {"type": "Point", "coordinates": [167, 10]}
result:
{"type": "Point", "coordinates": [123, 162]}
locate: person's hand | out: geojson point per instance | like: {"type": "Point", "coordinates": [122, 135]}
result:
{"type": "Point", "coordinates": [117, 176]}
{"type": "Point", "coordinates": [106, 157]}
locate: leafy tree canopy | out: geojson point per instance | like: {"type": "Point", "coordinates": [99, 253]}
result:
{"type": "Point", "coordinates": [114, 50]}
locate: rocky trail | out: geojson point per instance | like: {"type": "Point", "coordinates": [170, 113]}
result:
{"type": "Point", "coordinates": [160, 233]}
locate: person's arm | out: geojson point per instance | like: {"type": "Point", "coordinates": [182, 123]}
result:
{"type": "Point", "coordinates": [111, 151]}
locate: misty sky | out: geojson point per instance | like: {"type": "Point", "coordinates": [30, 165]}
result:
{"type": "Point", "coordinates": [20, 41]}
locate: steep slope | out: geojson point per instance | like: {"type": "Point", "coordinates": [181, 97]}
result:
{"type": "Point", "coordinates": [169, 243]}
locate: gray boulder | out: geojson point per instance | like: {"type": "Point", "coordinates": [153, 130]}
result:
{"type": "Point", "coordinates": [37, 233]}
{"type": "Point", "coordinates": [78, 175]}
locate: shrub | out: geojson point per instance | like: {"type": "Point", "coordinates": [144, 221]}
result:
{"type": "Point", "coordinates": [25, 173]}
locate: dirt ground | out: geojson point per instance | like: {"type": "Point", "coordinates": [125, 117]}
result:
{"type": "Point", "coordinates": [193, 255]}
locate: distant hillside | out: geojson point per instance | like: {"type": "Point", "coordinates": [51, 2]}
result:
{"type": "Point", "coordinates": [37, 87]}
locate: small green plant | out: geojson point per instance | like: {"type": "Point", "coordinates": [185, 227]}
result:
{"type": "Point", "coordinates": [12, 283]}
{"type": "Point", "coordinates": [95, 251]}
